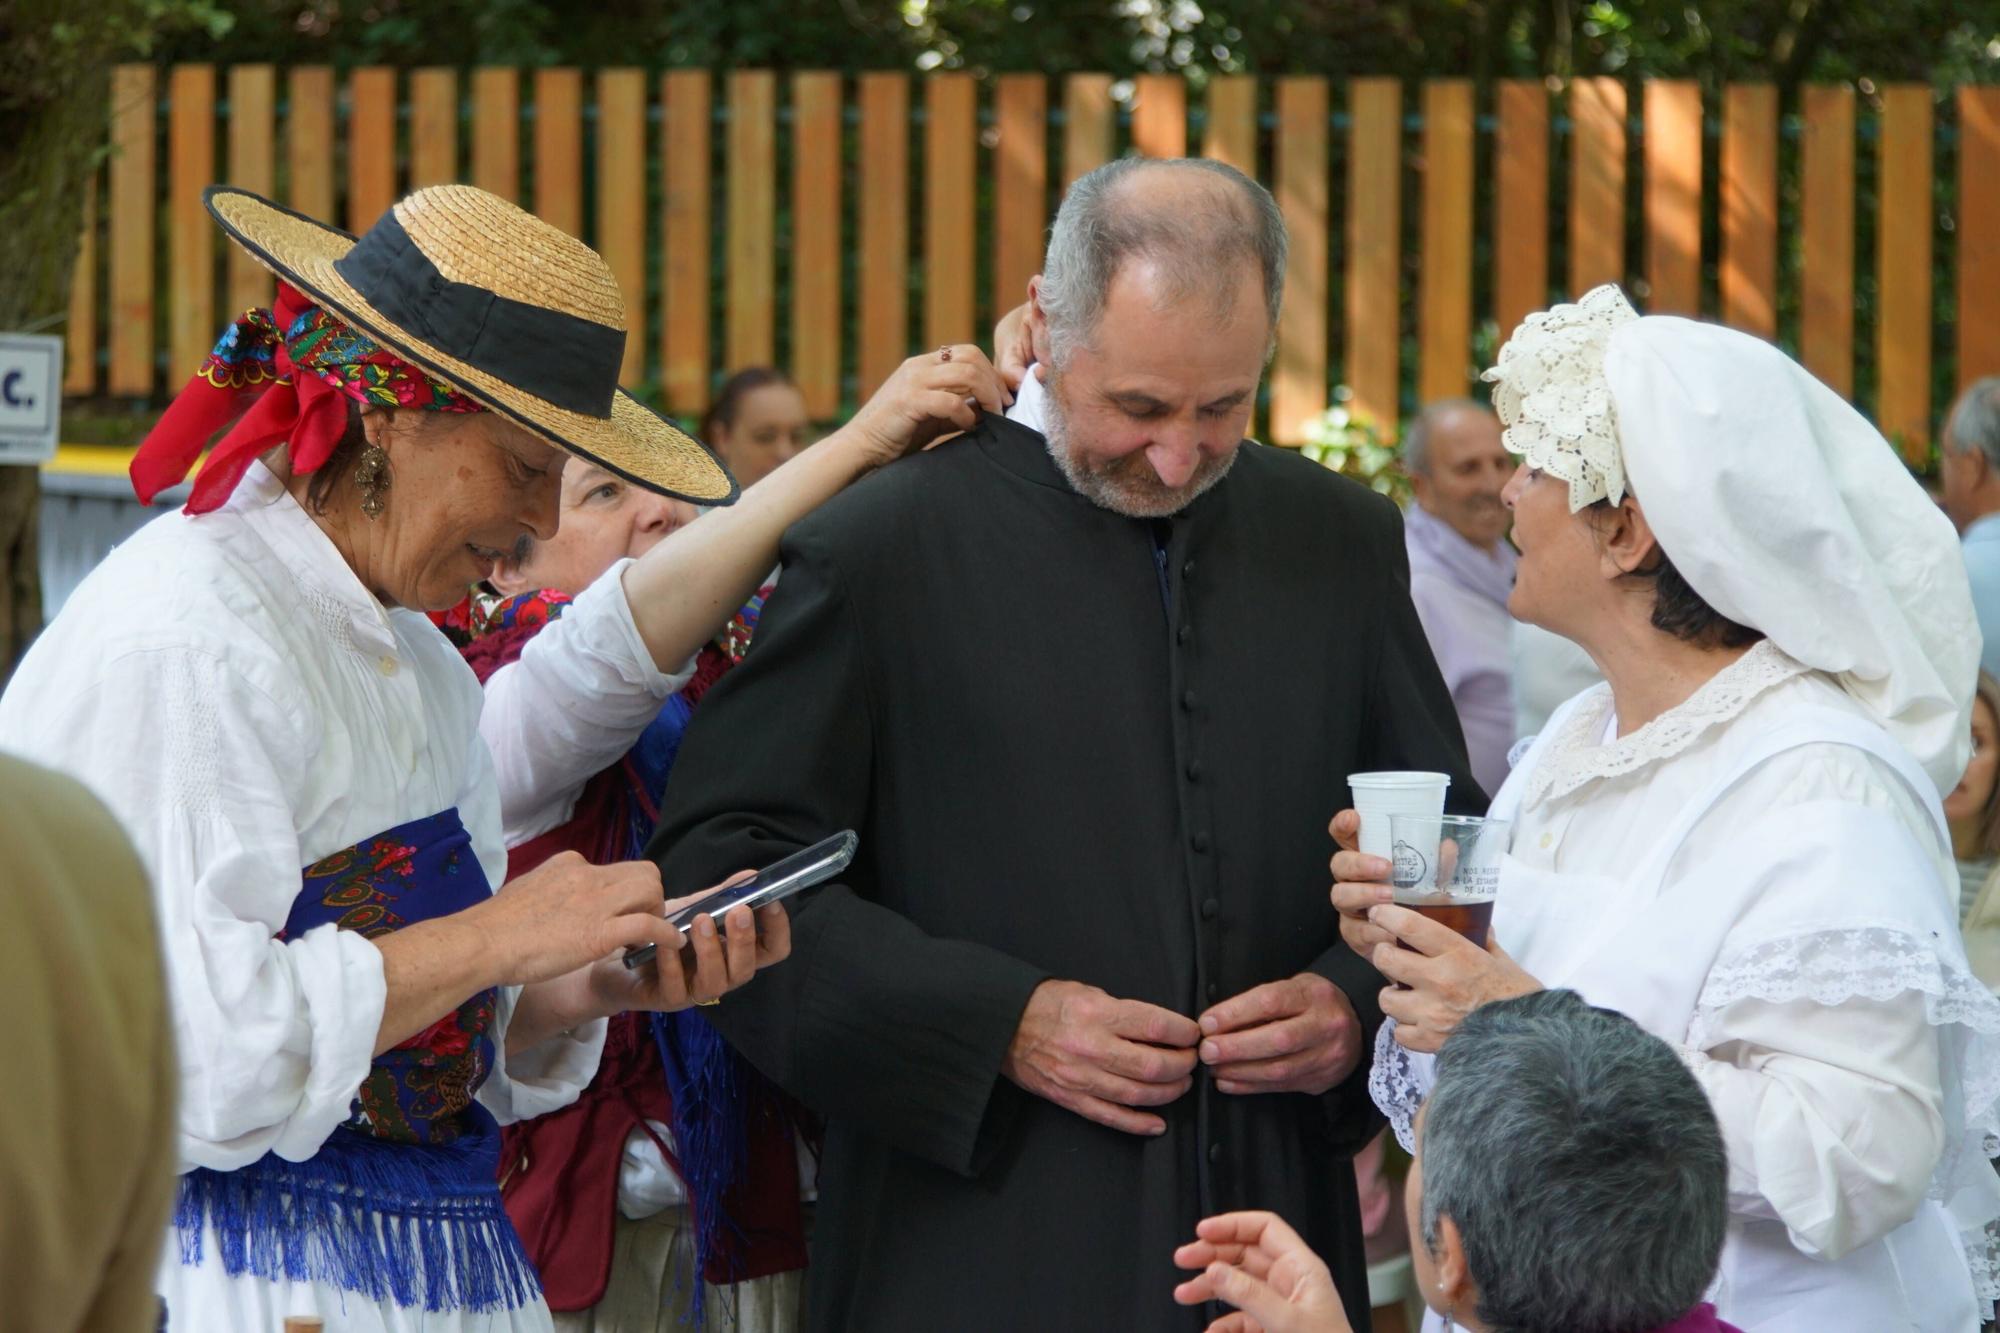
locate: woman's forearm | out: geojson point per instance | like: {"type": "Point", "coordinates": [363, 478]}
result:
{"type": "Point", "coordinates": [684, 589]}
{"type": "Point", "coordinates": [549, 1007]}
{"type": "Point", "coordinates": [429, 969]}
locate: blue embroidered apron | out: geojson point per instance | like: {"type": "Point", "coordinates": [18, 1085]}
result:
{"type": "Point", "coordinates": [400, 1204]}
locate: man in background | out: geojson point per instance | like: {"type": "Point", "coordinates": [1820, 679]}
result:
{"type": "Point", "coordinates": [1969, 470]}
{"type": "Point", "coordinates": [1461, 569]}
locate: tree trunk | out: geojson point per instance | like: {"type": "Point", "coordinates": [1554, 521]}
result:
{"type": "Point", "coordinates": [55, 58]}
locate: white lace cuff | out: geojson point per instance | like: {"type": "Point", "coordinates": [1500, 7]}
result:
{"type": "Point", "coordinates": [1398, 1081]}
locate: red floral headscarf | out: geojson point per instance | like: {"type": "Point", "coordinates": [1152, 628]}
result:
{"type": "Point", "coordinates": [257, 362]}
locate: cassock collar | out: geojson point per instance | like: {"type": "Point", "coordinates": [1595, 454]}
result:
{"type": "Point", "coordinates": [1016, 448]}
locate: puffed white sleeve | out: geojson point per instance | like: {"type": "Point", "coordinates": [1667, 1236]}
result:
{"type": "Point", "coordinates": [576, 700]}
{"type": "Point", "coordinates": [204, 766]}
{"type": "Point", "coordinates": [1843, 1042]}
{"type": "Point", "coordinates": [554, 1072]}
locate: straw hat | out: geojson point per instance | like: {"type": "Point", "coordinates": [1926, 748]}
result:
{"type": "Point", "coordinates": [516, 313]}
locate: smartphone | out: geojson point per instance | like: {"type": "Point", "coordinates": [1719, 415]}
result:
{"type": "Point", "coordinates": [779, 880]}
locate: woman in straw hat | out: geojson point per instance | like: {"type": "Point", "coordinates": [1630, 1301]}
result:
{"type": "Point", "coordinates": [1738, 840]}
{"type": "Point", "coordinates": [254, 688]}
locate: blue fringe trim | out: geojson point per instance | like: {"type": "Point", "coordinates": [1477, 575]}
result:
{"type": "Point", "coordinates": [409, 1224]}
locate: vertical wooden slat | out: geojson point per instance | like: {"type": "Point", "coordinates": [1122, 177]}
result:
{"type": "Point", "coordinates": [1826, 229]}
{"type": "Point", "coordinates": [1672, 145]}
{"type": "Point", "coordinates": [1374, 229]}
{"type": "Point", "coordinates": [753, 208]}
{"type": "Point", "coordinates": [951, 143]}
{"type": "Point", "coordinates": [1750, 208]}
{"type": "Point", "coordinates": [684, 240]}
{"type": "Point", "coordinates": [1089, 122]}
{"type": "Point", "coordinates": [1978, 233]}
{"type": "Point", "coordinates": [1597, 184]}
{"type": "Point", "coordinates": [1298, 376]}
{"type": "Point", "coordinates": [80, 336]}
{"type": "Point", "coordinates": [1159, 115]}
{"type": "Point", "coordinates": [371, 145]}
{"type": "Point", "coordinates": [496, 131]}
{"type": "Point", "coordinates": [433, 127]}
{"type": "Point", "coordinates": [253, 94]}
{"type": "Point", "coordinates": [191, 236]}
{"type": "Point", "coordinates": [1444, 319]}
{"type": "Point", "coordinates": [1903, 259]}
{"type": "Point", "coordinates": [1521, 203]}
{"type": "Point", "coordinates": [131, 211]}
{"type": "Point", "coordinates": [1021, 170]}
{"type": "Point", "coordinates": [1232, 122]}
{"type": "Point", "coordinates": [816, 238]}
{"type": "Point", "coordinates": [885, 227]}
{"type": "Point", "coordinates": [621, 202]}
{"type": "Point", "coordinates": [559, 148]}
{"type": "Point", "coordinates": [309, 140]}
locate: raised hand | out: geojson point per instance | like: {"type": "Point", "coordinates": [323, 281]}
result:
{"type": "Point", "coordinates": [1258, 1264]}
{"type": "Point", "coordinates": [1101, 1057]}
{"type": "Point", "coordinates": [929, 395]}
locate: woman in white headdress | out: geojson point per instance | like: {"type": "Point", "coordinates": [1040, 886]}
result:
{"type": "Point", "coordinates": [1738, 839]}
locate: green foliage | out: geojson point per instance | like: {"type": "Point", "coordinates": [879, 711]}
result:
{"type": "Point", "coordinates": [1714, 41]}
{"type": "Point", "coordinates": [1355, 447]}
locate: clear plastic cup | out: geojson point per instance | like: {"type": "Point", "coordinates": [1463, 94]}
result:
{"type": "Point", "coordinates": [1379, 796]}
{"type": "Point", "coordinates": [1447, 867]}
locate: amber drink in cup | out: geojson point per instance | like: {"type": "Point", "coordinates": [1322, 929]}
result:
{"type": "Point", "coordinates": [1447, 867]}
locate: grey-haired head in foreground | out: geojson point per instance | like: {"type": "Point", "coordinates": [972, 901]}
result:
{"type": "Point", "coordinates": [1581, 1163]}
{"type": "Point", "coordinates": [1199, 233]}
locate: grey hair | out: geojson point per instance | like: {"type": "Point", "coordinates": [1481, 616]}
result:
{"type": "Point", "coordinates": [1975, 420]}
{"type": "Point", "coordinates": [1417, 440]}
{"type": "Point", "coordinates": [1581, 1163]}
{"type": "Point", "coordinates": [1195, 243]}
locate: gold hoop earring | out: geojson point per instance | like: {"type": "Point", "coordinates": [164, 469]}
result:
{"type": "Point", "coordinates": [371, 478]}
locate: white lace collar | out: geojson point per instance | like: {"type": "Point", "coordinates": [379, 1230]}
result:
{"type": "Point", "coordinates": [1577, 756]}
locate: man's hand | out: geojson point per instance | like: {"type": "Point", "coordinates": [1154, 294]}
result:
{"type": "Point", "coordinates": [1258, 1264]}
{"type": "Point", "coordinates": [1100, 1057]}
{"type": "Point", "coordinates": [1297, 1035]}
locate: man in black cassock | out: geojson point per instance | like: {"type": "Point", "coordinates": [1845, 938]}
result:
{"type": "Point", "coordinates": [1090, 699]}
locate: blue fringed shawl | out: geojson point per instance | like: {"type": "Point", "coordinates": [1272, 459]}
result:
{"type": "Point", "coordinates": [400, 1204]}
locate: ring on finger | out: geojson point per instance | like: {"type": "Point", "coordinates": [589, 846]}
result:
{"type": "Point", "coordinates": [708, 1004]}
{"type": "Point", "coordinates": [944, 352]}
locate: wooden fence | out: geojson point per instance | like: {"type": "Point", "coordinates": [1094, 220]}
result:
{"type": "Point", "coordinates": [834, 224]}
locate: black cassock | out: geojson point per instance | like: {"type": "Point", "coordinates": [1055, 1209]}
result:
{"type": "Point", "coordinates": [1074, 745]}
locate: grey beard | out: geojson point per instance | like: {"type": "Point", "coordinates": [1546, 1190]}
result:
{"type": "Point", "coordinates": [1128, 496]}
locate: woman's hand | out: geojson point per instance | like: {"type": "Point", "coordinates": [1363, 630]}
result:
{"type": "Point", "coordinates": [717, 960]}
{"type": "Point", "coordinates": [1359, 883]}
{"type": "Point", "coordinates": [567, 913]}
{"type": "Point", "coordinates": [1443, 975]}
{"type": "Point", "coordinates": [1256, 1263]}
{"type": "Point", "coordinates": [928, 396]}
{"type": "Point", "coordinates": [1014, 348]}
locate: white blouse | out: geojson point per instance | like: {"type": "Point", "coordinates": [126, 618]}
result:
{"type": "Point", "coordinates": [1818, 989]}
{"type": "Point", "coordinates": [245, 707]}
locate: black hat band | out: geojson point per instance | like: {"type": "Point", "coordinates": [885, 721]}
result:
{"type": "Point", "coordinates": [560, 358]}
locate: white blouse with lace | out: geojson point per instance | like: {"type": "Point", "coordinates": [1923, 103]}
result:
{"type": "Point", "coordinates": [245, 707]}
{"type": "Point", "coordinates": [1795, 936]}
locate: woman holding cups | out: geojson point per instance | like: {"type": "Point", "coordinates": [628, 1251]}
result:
{"type": "Point", "coordinates": [1737, 840]}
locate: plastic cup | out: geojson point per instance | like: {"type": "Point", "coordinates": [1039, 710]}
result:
{"type": "Point", "coordinates": [1447, 867]}
{"type": "Point", "coordinates": [1379, 796]}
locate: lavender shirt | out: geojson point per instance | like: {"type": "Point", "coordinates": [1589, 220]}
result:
{"type": "Point", "coordinates": [1460, 593]}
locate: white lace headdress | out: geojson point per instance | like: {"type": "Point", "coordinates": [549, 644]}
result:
{"type": "Point", "coordinates": [1554, 400]}
{"type": "Point", "coordinates": [1776, 501]}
